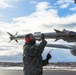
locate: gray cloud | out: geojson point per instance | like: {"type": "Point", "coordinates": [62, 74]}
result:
{"type": "Point", "coordinates": [7, 47]}
{"type": "Point", "coordinates": [70, 26]}
{"type": "Point", "coordinates": [15, 58]}
{"type": "Point", "coordinates": [46, 26]}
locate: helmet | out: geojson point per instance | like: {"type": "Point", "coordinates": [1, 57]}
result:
{"type": "Point", "coordinates": [29, 38]}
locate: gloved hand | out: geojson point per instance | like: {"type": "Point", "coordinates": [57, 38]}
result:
{"type": "Point", "coordinates": [42, 37]}
{"type": "Point", "coordinates": [49, 56]}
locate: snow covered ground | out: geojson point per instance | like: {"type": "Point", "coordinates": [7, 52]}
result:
{"type": "Point", "coordinates": [44, 68]}
{"type": "Point", "coordinates": [59, 68]}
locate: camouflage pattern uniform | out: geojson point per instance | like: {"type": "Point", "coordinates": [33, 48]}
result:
{"type": "Point", "coordinates": [32, 59]}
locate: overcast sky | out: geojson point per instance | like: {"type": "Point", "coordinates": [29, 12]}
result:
{"type": "Point", "coordinates": [29, 16]}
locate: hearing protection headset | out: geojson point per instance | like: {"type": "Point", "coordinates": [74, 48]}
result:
{"type": "Point", "coordinates": [27, 38]}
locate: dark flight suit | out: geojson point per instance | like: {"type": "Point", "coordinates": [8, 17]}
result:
{"type": "Point", "coordinates": [32, 59]}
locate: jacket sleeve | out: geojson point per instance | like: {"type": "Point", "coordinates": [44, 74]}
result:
{"type": "Point", "coordinates": [41, 46]}
{"type": "Point", "coordinates": [45, 62]}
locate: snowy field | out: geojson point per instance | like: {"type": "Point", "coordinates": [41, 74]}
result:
{"type": "Point", "coordinates": [44, 68]}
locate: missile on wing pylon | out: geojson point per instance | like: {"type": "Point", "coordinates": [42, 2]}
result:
{"type": "Point", "coordinates": [65, 35]}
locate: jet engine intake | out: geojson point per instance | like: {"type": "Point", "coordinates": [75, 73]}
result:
{"type": "Point", "coordinates": [73, 52]}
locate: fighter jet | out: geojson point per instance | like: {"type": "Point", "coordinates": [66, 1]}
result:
{"type": "Point", "coordinates": [69, 36]}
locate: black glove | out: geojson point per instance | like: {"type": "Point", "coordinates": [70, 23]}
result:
{"type": "Point", "coordinates": [42, 37]}
{"type": "Point", "coordinates": [48, 56]}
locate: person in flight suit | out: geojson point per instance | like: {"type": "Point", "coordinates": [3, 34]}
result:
{"type": "Point", "coordinates": [32, 58]}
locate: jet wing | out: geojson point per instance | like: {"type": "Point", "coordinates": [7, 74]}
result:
{"type": "Point", "coordinates": [72, 48]}
{"type": "Point", "coordinates": [61, 46]}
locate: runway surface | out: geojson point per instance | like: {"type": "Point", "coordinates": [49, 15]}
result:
{"type": "Point", "coordinates": [45, 72]}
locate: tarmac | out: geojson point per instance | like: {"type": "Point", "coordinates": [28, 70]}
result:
{"type": "Point", "coordinates": [45, 72]}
